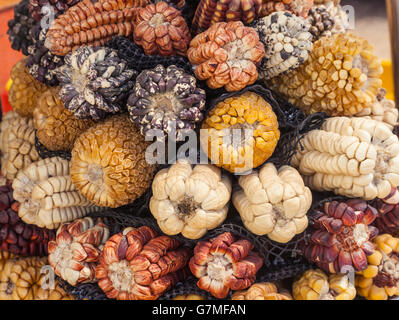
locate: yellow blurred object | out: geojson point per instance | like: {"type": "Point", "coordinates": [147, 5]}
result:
{"type": "Point", "coordinates": [8, 85]}
{"type": "Point", "coordinates": [387, 79]}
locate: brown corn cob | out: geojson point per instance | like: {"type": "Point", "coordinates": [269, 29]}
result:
{"type": "Point", "coordinates": [91, 22]}
{"type": "Point", "coordinates": [137, 265]}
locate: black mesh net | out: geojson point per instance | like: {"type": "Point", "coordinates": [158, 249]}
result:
{"type": "Point", "coordinates": [117, 221]}
{"type": "Point", "coordinates": [274, 254]}
{"type": "Point", "coordinates": [46, 153]}
{"type": "Point", "coordinates": [138, 208]}
{"type": "Point", "coordinates": [91, 291]}
{"type": "Point", "coordinates": [137, 60]}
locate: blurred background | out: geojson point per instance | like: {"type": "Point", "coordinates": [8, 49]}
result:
{"type": "Point", "coordinates": [370, 23]}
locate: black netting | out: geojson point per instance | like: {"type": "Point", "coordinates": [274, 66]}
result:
{"type": "Point", "coordinates": [86, 291]}
{"type": "Point", "coordinates": [139, 207]}
{"type": "Point", "coordinates": [187, 287]}
{"type": "Point", "coordinates": [139, 61]}
{"type": "Point", "coordinates": [91, 291]}
{"type": "Point", "coordinates": [319, 199]}
{"type": "Point", "coordinates": [275, 255]}
{"type": "Point", "coordinates": [45, 153]}
{"type": "Point", "coordinates": [290, 140]}
{"type": "Point", "coordinates": [281, 261]}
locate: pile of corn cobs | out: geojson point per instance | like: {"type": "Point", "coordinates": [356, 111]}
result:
{"type": "Point", "coordinates": [104, 74]}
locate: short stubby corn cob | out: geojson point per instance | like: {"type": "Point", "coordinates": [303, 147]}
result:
{"type": "Point", "coordinates": [382, 109]}
{"type": "Point", "coordinates": [57, 127]}
{"type": "Point", "coordinates": [137, 264]}
{"type": "Point", "coordinates": [273, 202]}
{"type": "Point", "coordinates": [225, 263]}
{"type": "Point", "coordinates": [17, 144]}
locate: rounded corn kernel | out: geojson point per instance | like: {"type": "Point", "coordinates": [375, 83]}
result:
{"type": "Point", "coordinates": [56, 127]}
{"type": "Point", "coordinates": [247, 140]}
{"type": "Point", "coordinates": [25, 90]}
